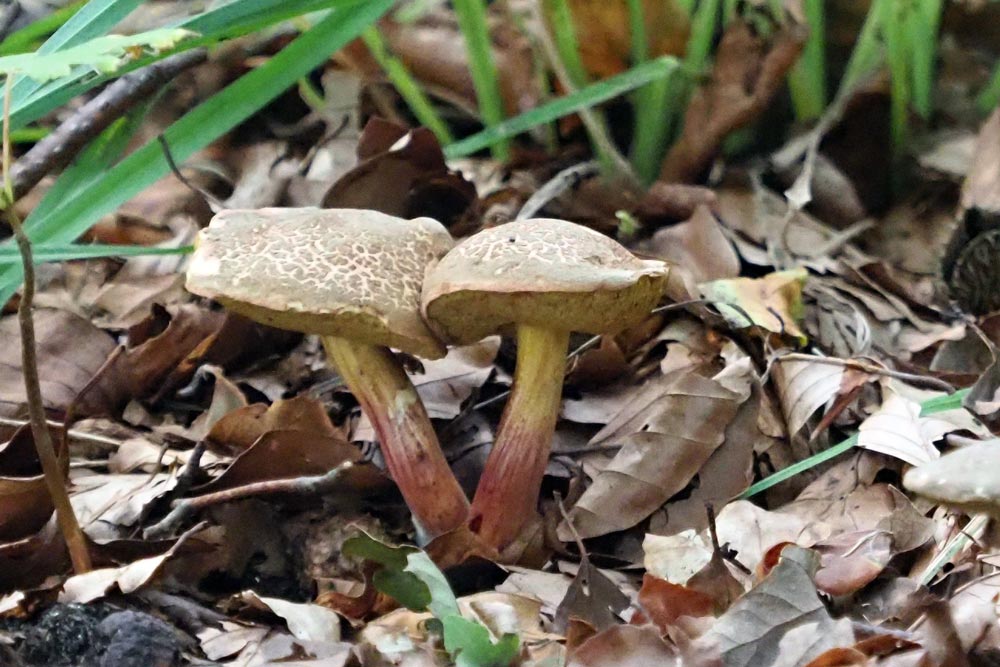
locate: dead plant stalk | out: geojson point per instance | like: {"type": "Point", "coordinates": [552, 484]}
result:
{"type": "Point", "coordinates": [52, 468]}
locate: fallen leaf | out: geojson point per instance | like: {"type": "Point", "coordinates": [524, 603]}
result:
{"type": "Point", "coordinates": [804, 387]}
{"type": "Point", "coordinates": [748, 72]}
{"type": "Point", "coordinates": [697, 250]}
{"type": "Point", "coordinates": [236, 431]}
{"type": "Point", "coordinates": [668, 446]}
{"type": "Point", "coordinates": [404, 174]}
{"type": "Point", "coordinates": [308, 622]}
{"type": "Point", "coordinates": [850, 561]}
{"type": "Point", "coordinates": [70, 350]}
{"type": "Point", "coordinates": [592, 597]}
{"type": "Point", "coordinates": [781, 621]}
{"type": "Point", "coordinates": [773, 303]}
{"type": "Point", "coordinates": [664, 602]}
{"type": "Point", "coordinates": [625, 646]}
{"type": "Point", "coordinates": [897, 429]}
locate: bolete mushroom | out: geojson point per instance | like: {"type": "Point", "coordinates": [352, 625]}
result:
{"type": "Point", "coordinates": [966, 478]}
{"type": "Point", "coordinates": [353, 277]}
{"type": "Point", "coordinates": [542, 278]}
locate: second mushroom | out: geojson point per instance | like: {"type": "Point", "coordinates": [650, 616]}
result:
{"type": "Point", "coordinates": [541, 279]}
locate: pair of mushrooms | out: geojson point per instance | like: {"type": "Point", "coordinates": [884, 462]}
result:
{"type": "Point", "coordinates": [367, 282]}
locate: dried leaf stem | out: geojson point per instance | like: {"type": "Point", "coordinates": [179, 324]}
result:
{"type": "Point", "coordinates": [52, 468]}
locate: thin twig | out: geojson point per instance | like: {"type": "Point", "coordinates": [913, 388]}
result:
{"type": "Point", "coordinates": [74, 434]}
{"type": "Point", "coordinates": [213, 202]}
{"type": "Point", "coordinates": [564, 180]}
{"type": "Point", "coordinates": [91, 383]}
{"type": "Point", "coordinates": [572, 529]}
{"type": "Point", "coordinates": [933, 382]}
{"type": "Point", "coordinates": [187, 507]}
{"type": "Point", "coordinates": [62, 145]}
{"type": "Point", "coordinates": [725, 553]}
{"type": "Point", "coordinates": [52, 469]}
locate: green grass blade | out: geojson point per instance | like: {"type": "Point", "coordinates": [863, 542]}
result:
{"type": "Point", "coordinates": [27, 37]}
{"type": "Point", "coordinates": [200, 126]}
{"type": "Point", "coordinates": [923, 20]}
{"type": "Point", "coordinates": [594, 94]}
{"type": "Point", "coordinates": [897, 47]}
{"type": "Point", "coordinates": [564, 37]}
{"type": "Point", "coordinates": [703, 25]}
{"type": "Point", "coordinates": [990, 97]}
{"type": "Point", "coordinates": [866, 55]}
{"type": "Point", "coordinates": [649, 139]}
{"type": "Point", "coordinates": [55, 252]}
{"type": "Point", "coordinates": [471, 16]}
{"type": "Point", "coordinates": [95, 19]}
{"type": "Point", "coordinates": [232, 20]}
{"type": "Point", "coordinates": [408, 87]}
{"type": "Point", "coordinates": [807, 80]}
{"type": "Point", "coordinates": [927, 408]}
{"type": "Point", "coordinates": [80, 177]}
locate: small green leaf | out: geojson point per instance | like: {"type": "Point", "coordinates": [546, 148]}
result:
{"type": "Point", "coordinates": [105, 54]}
{"type": "Point", "coordinates": [393, 580]}
{"type": "Point", "coordinates": [443, 602]}
{"type": "Point", "coordinates": [470, 645]}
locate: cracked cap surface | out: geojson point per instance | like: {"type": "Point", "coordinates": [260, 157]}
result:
{"type": "Point", "coordinates": [544, 272]}
{"type": "Point", "coordinates": [964, 478]}
{"type": "Point", "coordinates": [339, 272]}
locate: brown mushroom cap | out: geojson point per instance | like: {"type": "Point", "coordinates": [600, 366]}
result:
{"type": "Point", "coordinates": [966, 478]}
{"type": "Point", "coordinates": [545, 272]}
{"type": "Point", "coordinates": [339, 272]}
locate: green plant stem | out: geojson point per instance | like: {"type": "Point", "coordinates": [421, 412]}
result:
{"type": "Point", "coordinates": [52, 469]}
{"type": "Point", "coordinates": [471, 16]}
{"type": "Point", "coordinates": [929, 407]}
{"type": "Point", "coordinates": [25, 39]}
{"type": "Point", "coordinates": [406, 85]}
{"type": "Point", "coordinates": [990, 97]}
{"type": "Point", "coordinates": [807, 80]}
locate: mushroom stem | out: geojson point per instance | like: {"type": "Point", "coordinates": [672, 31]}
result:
{"type": "Point", "coordinates": [508, 490]}
{"type": "Point", "coordinates": [409, 444]}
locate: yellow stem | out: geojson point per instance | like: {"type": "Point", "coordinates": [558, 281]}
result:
{"type": "Point", "coordinates": [507, 495]}
{"type": "Point", "coordinates": [409, 445]}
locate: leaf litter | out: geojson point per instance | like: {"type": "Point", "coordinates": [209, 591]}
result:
{"type": "Point", "coordinates": [787, 330]}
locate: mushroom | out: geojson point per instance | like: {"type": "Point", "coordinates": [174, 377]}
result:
{"type": "Point", "coordinates": [543, 279]}
{"type": "Point", "coordinates": [353, 277]}
{"type": "Point", "coordinates": [965, 478]}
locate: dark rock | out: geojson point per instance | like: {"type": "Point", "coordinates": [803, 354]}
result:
{"type": "Point", "coordinates": [64, 634]}
{"type": "Point", "coordinates": [135, 639]}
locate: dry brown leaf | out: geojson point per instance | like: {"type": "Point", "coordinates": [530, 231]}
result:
{"type": "Point", "coordinates": [593, 598]}
{"type": "Point", "coordinates": [850, 561]}
{"type": "Point", "coordinates": [625, 646]}
{"type": "Point", "coordinates": [727, 473]}
{"type": "Point", "coordinates": [93, 585]}
{"type": "Point", "coordinates": [897, 429]}
{"type": "Point", "coordinates": [666, 447]}
{"type": "Point", "coordinates": [804, 387]}
{"type": "Point", "coordinates": [70, 351]}
{"type": "Point", "coordinates": [697, 251]}
{"type": "Point", "coordinates": [446, 383]}
{"type": "Point", "coordinates": [663, 602]}
{"type": "Point", "coordinates": [773, 302]}
{"type": "Point", "coordinates": [286, 455]}
{"type": "Point", "coordinates": [602, 29]}
{"type": "Point", "coordinates": [781, 621]}
{"type": "Point", "coordinates": [404, 174]}
{"type": "Point", "coordinates": [747, 74]}
{"type": "Point", "coordinates": [241, 428]}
